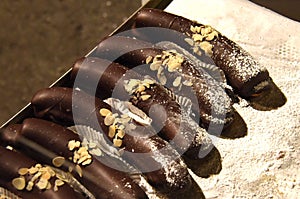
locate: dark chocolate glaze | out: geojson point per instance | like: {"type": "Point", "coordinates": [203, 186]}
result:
{"type": "Point", "coordinates": [227, 55]}
{"type": "Point", "coordinates": [169, 128]}
{"type": "Point", "coordinates": [104, 51]}
{"type": "Point", "coordinates": [100, 179]}
{"type": "Point", "coordinates": [225, 52]}
{"type": "Point", "coordinates": [11, 162]}
{"type": "Point", "coordinates": [211, 110]}
{"type": "Point", "coordinates": [148, 17]}
{"type": "Point", "coordinates": [88, 114]}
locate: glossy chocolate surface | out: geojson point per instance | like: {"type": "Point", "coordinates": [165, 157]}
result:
{"type": "Point", "coordinates": [97, 177]}
{"type": "Point", "coordinates": [165, 106]}
{"type": "Point", "coordinates": [12, 161]}
{"type": "Point", "coordinates": [88, 108]}
{"type": "Point", "coordinates": [226, 53]}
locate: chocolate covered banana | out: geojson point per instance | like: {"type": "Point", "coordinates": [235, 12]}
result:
{"type": "Point", "coordinates": [124, 132]}
{"type": "Point", "coordinates": [243, 72]}
{"type": "Point", "coordinates": [178, 72]}
{"type": "Point", "coordinates": [169, 117]}
{"type": "Point", "coordinates": [28, 179]}
{"type": "Point", "coordinates": [100, 179]}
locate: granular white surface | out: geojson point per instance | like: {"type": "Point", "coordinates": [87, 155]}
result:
{"type": "Point", "coordinates": [265, 163]}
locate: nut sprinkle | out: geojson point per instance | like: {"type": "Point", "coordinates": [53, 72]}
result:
{"type": "Point", "coordinates": [201, 38]}
{"type": "Point", "coordinates": [117, 125]}
{"type": "Point", "coordinates": [169, 60]}
{"type": "Point", "coordinates": [81, 154]}
{"type": "Point", "coordinates": [40, 177]}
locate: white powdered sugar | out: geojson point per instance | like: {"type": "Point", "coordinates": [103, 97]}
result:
{"type": "Point", "coordinates": [171, 163]}
{"type": "Point", "coordinates": [242, 63]}
{"type": "Point", "coordinates": [208, 86]}
{"type": "Point", "coordinates": [265, 163]}
{"type": "Point", "coordinates": [151, 193]}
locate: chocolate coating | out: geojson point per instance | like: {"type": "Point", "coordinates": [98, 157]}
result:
{"type": "Point", "coordinates": [100, 179]}
{"type": "Point", "coordinates": [160, 104]}
{"type": "Point", "coordinates": [242, 71]}
{"type": "Point", "coordinates": [210, 101]}
{"type": "Point", "coordinates": [90, 116]}
{"type": "Point", "coordinates": [11, 162]}
{"type": "Point", "coordinates": [226, 54]}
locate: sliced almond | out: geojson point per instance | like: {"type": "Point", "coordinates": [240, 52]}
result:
{"type": "Point", "coordinates": [207, 47]}
{"type": "Point", "coordinates": [109, 120]}
{"type": "Point", "coordinates": [42, 184]}
{"type": "Point", "coordinates": [163, 79]}
{"type": "Point", "coordinates": [38, 166]}
{"type": "Point", "coordinates": [33, 170]}
{"type": "Point", "coordinates": [131, 84]}
{"type": "Point", "coordinates": [121, 127]}
{"type": "Point", "coordinates": [82, 159]}
{"type": "Point", "coordinates": [146, 85]}
{"type": "Point", "coordinates": [198, 29]}
{"type": "Point", "coordinates": [46, 176]}
{"type": "Point", "coordinates": [145, 97]}
{"type": "Point", "coordinates": [159, 71]}
{"type": "Point", "coordinates": [179, 58]}
{"type": "Point", "coordinates": [49, 170]}
{"type": "Point", "coordinates": [197, 37]}
{"type": "Point", "coordinates": [59, 182]}
{"type": "Point", "coordinates": [177, 81]}
{"type": "Point", "coordinates": [19, 183]}
{"type": "Point", "coordinates": [92, 145]}
{"type": "Point", "coordinates": [23, 171]}
{"type": "Point", "coordinates": [173, 66]}
{"type": "Point", "coordinates": [121, 133]}
{"type": "Point", "coordinates": [82, 150]}
{"type": "Point", "coordinates": [157, 58]}
{"type": "Point", "coordinates": [58, 161]}
{"type": "Point", "coordinates": [104, 112]}
{"type": "Point", "coordinates": [72, 144]}
{"type": "Point", "coordinates": [96, 152]}
{"type": "Point", "coordinates": [149, 59]}
{"type": "Point", "coordinates": [70, 169]}
{"type": "Point", "coordinates": [148, 81]}
{"type": "Point", "coordinates": [155, 65]}
{"type": "Point", "coordinates": [48, 186]}
{"type": "Point", "coordinates": [29, 186]}
{"type": "Point", "coordinates": [141, 88]}
{"type": "Point", "coordinates": [189, 41]}
{"type": "Point", "coordinates": [166, 61]}
{"type": "Point", "coordinates": [192, 29]}
{"type": "Point", "coordinates": [76, 157]}
{"type": "Point", "coordinates": [206, 30]}
{"type": "Point", "coordinates": [78, 170]}
{"type": "Point", "coordinates": [87, 162]}
{"type": "Point", "coordinates": [197, 50]}
{"type": "Point", "coordinates": [187, 83]}
{"type": "Point", "coordinates": [211, 35]}
{"type": "Point", "coordinates": [117, 142]}
{"type": "Point", "coordinates": [36, 176]}
{"type": "Point", "coordinates": [111, 131]}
